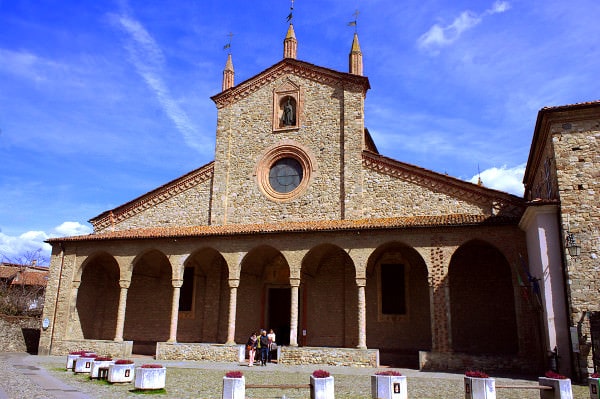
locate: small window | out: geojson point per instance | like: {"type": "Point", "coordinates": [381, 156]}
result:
{"type": "Point", "coordinates": [186, 294]}
{"type": "Point", "coordinates": [393, 295]}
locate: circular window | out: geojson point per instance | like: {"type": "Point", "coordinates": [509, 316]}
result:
{"type": "Point", "coordinates": [284, 172]}
{"type": "Point", "coordinates": [285, 175]}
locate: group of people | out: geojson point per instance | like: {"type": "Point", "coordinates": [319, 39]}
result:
{"type": "Point", "coordinates": [263, 343]}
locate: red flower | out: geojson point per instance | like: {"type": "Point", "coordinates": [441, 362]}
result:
{"type": "Point", "coordinates": [234, 374]}
{"type": "Point", "coordinates": [388, 372]}
{"type": "Point", "coordinates": [476, 374]}
{"type": "Point", "coordinates": [124, 361]}
{"type": "Point", "coordinates": [103, 359]}
{"type": "Point", "coordinates": [320, 374]}
{"type": "Point", "coordinates": [556, 376]}
{"type": "Point", "coordinates": [595, 375]}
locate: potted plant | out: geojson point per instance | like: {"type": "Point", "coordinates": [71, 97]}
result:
{"type": "Point", "coordinates": [101, 363]}
{"type": "Point", "coordinates": [388, 384]}
{"type": "Point", "coordinates": [479, 385]}
{"type": "Point", "coordinates": [150, 376]}
{"type": "Point", "coordinates": [321, 385]}
{"type": "Point", "coordinates": [594, 384]}
{"type": "Point", "coordinates": [561, 386]}
{"type": "Point", "coordinates": [121, 370]}
{"type": "Point", "coordinates": [72, 356]}
{"type": "Point", "coordinates": [83, 364]}
{"type": "Point", "coordinates": [234, 385]}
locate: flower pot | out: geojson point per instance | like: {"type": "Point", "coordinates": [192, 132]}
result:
{"type": "Point", "coordinates": [71, 361]}
{"type": "Point", "coordinates": [321, 388]}
{"type": "Point", "coordinates": [594, 384]}
{"type": "Point", "coordinates": [561, 388]}
{"type": "Point", "coordinates": [83, 364]}
{"type": "Point", "coordinates": [388, 387]}
{"type": "Point", "coordinates": [234, 388]}
{"type": "Point", "coordinates": [480, 388]}
{"type": "Point", "coordinates": [118, 373]}
{"type": "Point", "coordinates": [99, 364]}
{"type": "Point", "coordinates": [150, 378]}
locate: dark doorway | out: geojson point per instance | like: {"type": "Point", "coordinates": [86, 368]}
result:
{"type": "Point", "coordinates": [278, 314]}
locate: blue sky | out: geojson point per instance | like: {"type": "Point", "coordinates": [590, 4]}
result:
{"type": "Point", "coordinates": [103, 101]}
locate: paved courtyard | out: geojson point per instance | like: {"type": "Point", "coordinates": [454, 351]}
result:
{"type": "Point", "coordinates": [40, 377]}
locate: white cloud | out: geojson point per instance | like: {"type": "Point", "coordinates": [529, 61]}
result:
{"type": "Point", "coordinates": [504, 179]}
{"type": "Point", "coordinates": [14, 248]}
{"type": "Point", "coordinates": [148, 59]}
{"type": "Point", "coordinates": [440, 36]}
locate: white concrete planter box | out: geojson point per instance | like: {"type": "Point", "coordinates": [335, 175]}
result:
{"type": "Point", "coordinates": [234, 388]}
{"type": "Point", "coordinates": [480, 388]}
{"type": "Point", "coordinates": [97, 365]}
{"type": "Point", "coordinates": [83, 364]}
{"type": "Point", "coordinates": [388, 387]}
{"type": "Point", "coordinates": [322, 388]}
{"type": "Point", "coordinates": [594, 384]}
{"type": "Point", "coordinates": [118, 373]}
{"type": "Point", "coordinates": [561, 388]}
{"type": "Point", "coordinates": [150, 378]}
{"type": "Point", "coordinates": [71, 361]}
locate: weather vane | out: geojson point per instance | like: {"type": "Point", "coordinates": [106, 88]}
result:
{"type": "Point", "coordinates": [291, 15]}
{"type": "Point", "coordinates": [228, 45]}
{"type": "Point", "coordinates": [354, 23]}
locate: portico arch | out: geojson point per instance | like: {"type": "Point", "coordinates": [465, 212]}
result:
{"type": "Point", "coordinates": [329, 300]}
{"type": "Point", "coordinates": [98, 296]}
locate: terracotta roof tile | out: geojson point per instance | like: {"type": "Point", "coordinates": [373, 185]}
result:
{"type": "Point", "coordinates": [455, 220]}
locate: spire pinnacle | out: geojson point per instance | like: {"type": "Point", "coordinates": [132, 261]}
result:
{"type": "Point", "coordinates": [290, 44]}
{"type": "Point", "coordinates": [228, 72]}
{"type": "Point", "coordinates": [355, 58]}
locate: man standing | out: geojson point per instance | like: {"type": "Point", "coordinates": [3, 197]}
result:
{"type": "Point", "coordinates": [264, 347]}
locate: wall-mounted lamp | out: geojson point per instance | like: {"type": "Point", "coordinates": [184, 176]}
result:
{"type": "Point", "coordinates": [572, 247]}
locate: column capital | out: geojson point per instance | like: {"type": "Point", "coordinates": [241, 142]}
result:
{"type": "Point", "coordinates": [124, 283]}
{"type": "Point", "coordinates": [295, 282]}
{"type": "Point", "coordinates": [177, 283]}
{"type": "Point", "coordinates": [234, 282]}
{"type": "Point", "coordinates": [361, 282]}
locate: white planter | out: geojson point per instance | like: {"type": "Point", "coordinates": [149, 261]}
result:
{"type": "Point", "coordinates": [150, 378]}
{"type": "Point", "coordinates": [480, 388]}
{"type": "Point", "coordinates": [561, 388]}
{"type": "Point", "coordinates": [118, 373]}
{"type": "Point", "coordinates": [71, 361]}
{"type": "Point", "coordinates": [321, 388]}
{"type": "Point", "coordinates": [234, 388]}
{"type": "Point", "coordinates": [83, 364]}
{"type": "Point", "coordinates": [388, 387]}
{"type": "Point", "coordinates": [97, 365]}
{"type": "Point", "coordinates": [594, 384]}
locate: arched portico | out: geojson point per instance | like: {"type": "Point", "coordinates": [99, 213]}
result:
{"type": "Point", "coordinates": [398, 304]}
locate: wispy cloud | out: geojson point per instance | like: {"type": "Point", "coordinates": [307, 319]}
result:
{"type": "Point", "coordinates": [439, 36]}
{"type": "Point", "coordinates": [503, 178]}
{"type": "Point", "coordinates": [149, 61]}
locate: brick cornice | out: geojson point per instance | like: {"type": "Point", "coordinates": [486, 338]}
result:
{"type": "Point", "coordinates": [295, 67]}
{"type": "Point", "coordinates": [500, 202]}
{"type": "Point", "coordinates": [153, 197]}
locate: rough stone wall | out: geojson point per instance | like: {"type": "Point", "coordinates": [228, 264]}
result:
{"type": "Point", "coordinates": [387, 196]}
{"type": "Point", "coordinates": [545, 181]}
{"type": "Point", "coordinates": [577, 152]}
{"type": "Point", "coordinates": [19, 334]}
{"type": "Point", "coordinates": [245, 132]}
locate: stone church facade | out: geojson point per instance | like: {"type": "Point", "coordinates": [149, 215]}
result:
{"type": "Point", "coordinates": [301, 225]}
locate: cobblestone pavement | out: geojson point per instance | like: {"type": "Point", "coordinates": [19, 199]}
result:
{"type": "Point", "coordinates": [41, 377]}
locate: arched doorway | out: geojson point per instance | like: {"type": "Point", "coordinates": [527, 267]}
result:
{"type": "Point", "coordinates": [482, 303]}
{"type": "Point", "coordinates": [329, 299]}
{"type": "Point", "coordinates": [204, 298]}
{"type": "Point", "coordinates": [148, 314]}
{"type": "Point", "coordinates": [398, 305]}
{"type": "Point", "coordinates": [98, 297]}
{"type": "Point", "coordinates": [264, 295]}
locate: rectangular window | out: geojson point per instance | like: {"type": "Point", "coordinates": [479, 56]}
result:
{"type": "Point", "coordinates": [186, 294]}
{"type": "Point", "coordinates": [393, 295]}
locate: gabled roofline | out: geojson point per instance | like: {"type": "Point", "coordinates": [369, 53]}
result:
{"type": "Point", "coordinates": [153, 197]}
{"type": "Point", "coordinates": [302, 68]}
{"type": "Point", "coordinates": [546, 116]}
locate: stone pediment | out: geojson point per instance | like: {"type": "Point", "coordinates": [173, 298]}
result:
{"type": "Point", "coordinates": [153, 198]}
{"type": "Point", "coordinates": [501, 203]}
{"type": "Point", "coordinates": [295, 67]}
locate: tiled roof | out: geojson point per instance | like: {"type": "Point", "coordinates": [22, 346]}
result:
{"type": "Point", "coordinates": [454, 220]}
{"type": "Point", "coordinates": [24, 275]}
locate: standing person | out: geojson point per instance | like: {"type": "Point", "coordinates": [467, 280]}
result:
{"type": "Point", "coordinates": [272, 345]}
{"type": "Point", "coordinates": [251, 347]}
{"type": "Point", "coordinates": [263, 344]}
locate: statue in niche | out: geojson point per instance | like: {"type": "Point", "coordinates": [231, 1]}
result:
{"type": "Point", "coordinates": [289, 114]}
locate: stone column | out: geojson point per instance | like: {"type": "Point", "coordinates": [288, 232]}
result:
{"type": "Point", "coordinates": [295, 283]}
{"type": "Point", "coordinates": [124, 284]}
{"type": "Point", "coordinates": [362, 313]}
{"type": "Point", "coordinates": [175, 309]}
{"type": "Point", "coordinates": [233, 286]}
